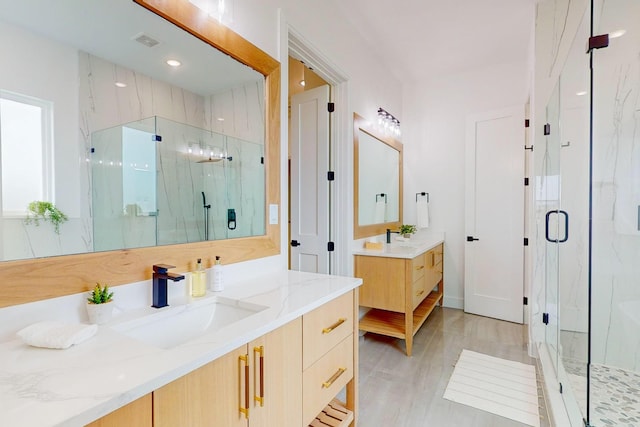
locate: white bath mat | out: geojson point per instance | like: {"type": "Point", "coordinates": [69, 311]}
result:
{"type": "Point", "coordinates": [495, 385]}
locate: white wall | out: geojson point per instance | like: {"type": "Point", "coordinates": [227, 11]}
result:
{"type": "Point", "coordinates": [434, 134]}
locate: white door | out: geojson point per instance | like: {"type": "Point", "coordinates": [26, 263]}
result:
{"type": "Point", "coordinates": [309, 184]}
{"type": "Point", "coordinates": [494, 214]}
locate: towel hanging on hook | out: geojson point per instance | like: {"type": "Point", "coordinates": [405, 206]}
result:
{"type": "Point", "coordinates": [422, 209]}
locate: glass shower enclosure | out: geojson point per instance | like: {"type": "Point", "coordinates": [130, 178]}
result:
{"type": "Point", "coordinates": [588, 214]}
{"type": "Point", "coordinates": [159, 182]}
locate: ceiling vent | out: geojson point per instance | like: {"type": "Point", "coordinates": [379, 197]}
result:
{"type": "Point", "coordinates": [145, 39]}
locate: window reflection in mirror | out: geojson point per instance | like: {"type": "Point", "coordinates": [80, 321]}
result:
{"type": "Point", "coordinates": [377, 180]}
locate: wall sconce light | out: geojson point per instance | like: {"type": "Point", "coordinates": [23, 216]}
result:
{"type": "Point", "coordinates": [388, 123]}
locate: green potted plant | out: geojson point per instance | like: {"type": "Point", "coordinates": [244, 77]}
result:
{"type": "Point", "coordinates": [45, 211]}
{"type": "Point", "coordinates": [99, 307]}
{"type": "Point", "coordinates": [406, 230]}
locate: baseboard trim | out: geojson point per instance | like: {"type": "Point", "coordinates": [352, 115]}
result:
{"type": "Point", "coordinates": [453, 302]}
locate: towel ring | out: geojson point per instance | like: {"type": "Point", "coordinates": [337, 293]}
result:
{"type": "Point", "coordinates": [423, 194]}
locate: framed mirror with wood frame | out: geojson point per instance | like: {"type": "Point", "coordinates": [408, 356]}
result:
{"type": "Point", "coordinates": [38, 279]}
{"type": "Point", "coordinates": [377, 193]}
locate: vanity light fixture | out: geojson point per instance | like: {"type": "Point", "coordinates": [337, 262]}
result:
{"type": "Point", "coordinates": [173, 62]}
{"type": "Point", "coordinates": [302, 83]}
{"type": "Point", "coordinates": [388, 123]}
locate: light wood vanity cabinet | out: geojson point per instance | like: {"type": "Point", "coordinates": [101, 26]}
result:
{"type": "Point", "coordinates": [137, 413]}
{"type": "Point", "coordinates": [401, 292]}
{"type": "Point", "coordinates": [234, 390]}
{"type": "Point", "coordinates": [329, 358]}
{"type": "Point", "coordinates": [305, 364]}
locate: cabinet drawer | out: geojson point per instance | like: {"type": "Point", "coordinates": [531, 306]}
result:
{"type": "Point", "coordinates": [417, 267]}
{"type": "Point", "coordinates": [419, 291]}
{"type": "Point", "coordinates": [325, 327]}
{"type": "Point", "coordinates": [325, 378]}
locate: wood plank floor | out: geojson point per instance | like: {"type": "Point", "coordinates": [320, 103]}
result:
{"type": "Point", "coordinates": [401, 391]}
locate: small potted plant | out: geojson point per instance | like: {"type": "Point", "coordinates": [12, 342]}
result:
{"type": "Point", "coordinates": [406, 230]}
{"type": "Point", "coordinates": [99, 308]}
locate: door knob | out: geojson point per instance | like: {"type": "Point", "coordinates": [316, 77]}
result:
{"type": "Point", "coordinates": [295, 243]}
{"type": "Point", "coordinates": [471, 239]}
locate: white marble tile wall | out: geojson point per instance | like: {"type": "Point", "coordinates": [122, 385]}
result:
{"type": "Point", "coordinates": [616, 189]}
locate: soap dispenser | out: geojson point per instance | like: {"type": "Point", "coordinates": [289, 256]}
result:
{"type": "Point", "coordinates": [217, 284]}
{"type": "Point", "coordinates": [198, 280]}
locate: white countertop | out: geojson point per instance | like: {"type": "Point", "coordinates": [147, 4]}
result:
{"type": "Point", "coordinates": [408, 248]}
{"type": "Point", "coordinates": [43, 387]}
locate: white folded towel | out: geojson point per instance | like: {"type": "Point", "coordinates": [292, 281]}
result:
{"type": "Point", "coordinates": [55, 334]}
{"type": "Point", "coordinates": [422, 208]}
{"type": "Point", "coordinates": [380, 214]}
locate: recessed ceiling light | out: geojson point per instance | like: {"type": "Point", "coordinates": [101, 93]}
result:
{"type": "Point", "coordinates": [617, 33]}
{"type": "Point", "coordinates": [302, 83]}
{"type": "Point", "coordinates": [581, 93]}
{"type": "Point", "coordinates": [120, 84]}
{"type": "Point", "coordinates": [174, 62]}
{"type": "Point", "coordinates": [220, 119]}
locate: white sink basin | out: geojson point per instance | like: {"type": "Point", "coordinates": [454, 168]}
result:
{"type": "Point", "coordinates": [172, 326]}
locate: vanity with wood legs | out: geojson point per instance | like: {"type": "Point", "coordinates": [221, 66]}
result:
{"type": "Point", "coordinates": [402, 284]}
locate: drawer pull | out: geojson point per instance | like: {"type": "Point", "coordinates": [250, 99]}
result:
{"type": "Point", "coordinates": [260, 351]}
{"type": "Point", "coordinates": [335, 325]}
{"type": "Point", "coordinates": [420, 293]}
{"type": "Point", "coordinates": [244, 409]}
{"type": "Point", "coordinates": [333, 379]}
{"type": "Point", "coordinates": [420, 267]}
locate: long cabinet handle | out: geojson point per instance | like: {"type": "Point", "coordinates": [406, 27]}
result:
{"type": "Point", "coordinates": [335, 325]}
{"type": "Point", "coordinates": [244, 359]}
{"type": "Point", "coordinates": [260, 350]}
{"type": "Point", "coordinates": [333, 378]}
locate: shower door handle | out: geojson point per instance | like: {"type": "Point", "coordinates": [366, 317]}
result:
{"type": "Point", "coordinates": [566, 226]}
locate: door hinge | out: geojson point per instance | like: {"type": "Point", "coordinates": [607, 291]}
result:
{"type": "Point", "coordinates": [528, 148]}
{"type": "Point", "coordinates": [547, 129]}
{"type": "Point", "coordinates": [560, 388]}
{"type": "Point", "coordinates": [331, 247]}
{"type": "Point", "coordinates": [156, 138]}
{"type": "Point", "coordinates": [526, 241]}
{"type": "Point", "coordinates": [262, 160]}
{"type": "Point", "coordinates": [526, 181]}
{"type": "Point", "coordinates": [331, 107]}
{"type": "Point", "coordinates": [525, 301]}
{"type": "Point", "coordinates": [331, 176]}
{"type": "Point", "coordinates": [526, 123]}
{"type": "Point", "coordinates": [93, 150]}
{"type": "Point", "coordinates": [545, 318]}
{"type": "Point", "coordinates": [598, 42]}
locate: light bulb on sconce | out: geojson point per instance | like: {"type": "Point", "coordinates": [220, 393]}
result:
{"type": "Point", "coordinates": [388, 123]}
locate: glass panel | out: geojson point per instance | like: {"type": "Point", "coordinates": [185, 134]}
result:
{"type": "Point", "coordinates": [615, 250]}
{"type": "Point", "coordinates": [573, 254]}
{"type": "Point", "coordinates": [549, 196]}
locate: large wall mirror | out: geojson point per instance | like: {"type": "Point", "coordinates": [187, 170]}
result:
{"type": "Point", "coordinates": [377, 180]}
{"type": "Point", "coordinates": [136, 150]}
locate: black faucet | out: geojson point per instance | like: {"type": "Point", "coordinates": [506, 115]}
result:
{"type": "Point", "coordinates": [160, 276]}
{"type": "Point", "coordinates": [389, 234]}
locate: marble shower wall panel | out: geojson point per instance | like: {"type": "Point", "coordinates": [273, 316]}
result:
{"type": "Point", "coordinates": [616, 188]}
{"type": "Point", "coordinates": [239, 112]}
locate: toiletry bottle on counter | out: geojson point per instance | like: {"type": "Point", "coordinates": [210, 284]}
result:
{"type": "Point", "coordinates": [198, 280]}
{"type": "Point", "coordinates": [217, 285]}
